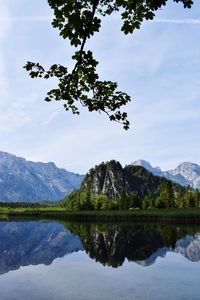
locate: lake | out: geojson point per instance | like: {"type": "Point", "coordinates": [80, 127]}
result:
{"type": "Point", "coordinates": [57, 260]}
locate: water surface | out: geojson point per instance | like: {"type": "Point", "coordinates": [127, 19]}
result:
{"type": "Point", "coordinates": [54, 260]}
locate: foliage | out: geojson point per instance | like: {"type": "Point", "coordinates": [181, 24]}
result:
{"type": "Point", "coordinates": [168, 197]}
{"type": "Point", "coordinates": [191, 199]}
{"type": "Point", "coordinates": [110, 187]}
{"type": "Point", "coordinates": [26, 204]}
{"type": "Point", "coordinates": [148, 202]}
{"type": "Point", "coordinates": [127, 201]}
{"type": "Point", "coordinates": [78, 21]}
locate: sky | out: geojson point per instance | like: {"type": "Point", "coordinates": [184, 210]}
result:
{"type": "Point", "coordinates": [158, 66]}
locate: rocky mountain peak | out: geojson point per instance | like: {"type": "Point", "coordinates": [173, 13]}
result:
{"type": "Point", "coordinates": [106, 178]}
{"type": "Point", "coordinates": [7, 159]}
{"type": "Point", "coordinates": [142, 162]}
{"type": "Point", "coordinates": [190, 171]}
{"type": "Point", "coordinates": [186, 168]}
{"type": "Point", "coordinates": [27, 181]}
{"type": "Point", "coordinates": [145, 164]}
{"type": "Point", "coordinates": [186, 173]}
{"type": "Point", "coordinates": [114, 181]}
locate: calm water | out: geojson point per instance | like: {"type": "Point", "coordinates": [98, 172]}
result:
{"type": "Point", "coordinates": [49, 260]}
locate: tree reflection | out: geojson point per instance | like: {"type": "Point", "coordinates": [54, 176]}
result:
{"type": "Point", "coordinates": [143, 243]}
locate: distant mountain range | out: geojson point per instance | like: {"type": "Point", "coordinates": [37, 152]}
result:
{"type": "Point", "coordinates": [186, 174]}
{"type": "Point", "coordinates": [27, 181]}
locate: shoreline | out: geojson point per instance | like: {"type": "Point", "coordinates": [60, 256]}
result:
{"type": "Point", "coordinates": [182, 216]}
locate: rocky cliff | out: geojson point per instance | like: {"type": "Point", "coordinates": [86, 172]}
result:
{"type": "Point", "coordinates": [112, 180]}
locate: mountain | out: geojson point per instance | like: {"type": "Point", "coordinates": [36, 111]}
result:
{"type": "Point", "coordinates": [112, 180]}
{"type": "Point", "coordinates": [145, 164]}
{"type": "Point", "coordinates": [26, 181]}
{"type": "Point", "coordinates": [190, 172]}
{"type": "Point", "coordinates": [186, 173]}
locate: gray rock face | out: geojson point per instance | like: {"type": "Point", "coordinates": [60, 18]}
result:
{"type": "Point", "coordinates": [185, 174]}
{"type": "Point", "coordinates": [190, 172]}
{"type": "Point", "coordinates": [26, 181]}
{"type": "Point", "coordinates": [112, 180]}
{"type": "Point", "coordinates": [107, 179]}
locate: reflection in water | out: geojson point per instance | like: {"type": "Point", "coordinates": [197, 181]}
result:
{"type": "Point", "coordinates": [77, 277]}
{"type": "Point", "coordinates": [112, 244]}
{"type": "Point", "coordinates": [33, 243]}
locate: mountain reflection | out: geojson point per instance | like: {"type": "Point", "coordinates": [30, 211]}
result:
{"type": "Point", "coordinates": [143, 244]}
{"type": "Point", "coordinates": [33, 243]}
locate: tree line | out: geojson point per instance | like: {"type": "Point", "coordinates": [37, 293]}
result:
{"type": "Point", "coordinates": [168, 197]}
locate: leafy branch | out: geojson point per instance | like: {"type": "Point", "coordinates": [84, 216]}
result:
{"type": "Point", "coordinates": [77, 21]}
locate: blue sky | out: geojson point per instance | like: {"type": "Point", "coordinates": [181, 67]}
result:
{"type": "Point", "coordinates": [159, 66]}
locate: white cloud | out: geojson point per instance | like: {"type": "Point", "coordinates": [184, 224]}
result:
{"type": "Point", "coordinates": [177, 21]}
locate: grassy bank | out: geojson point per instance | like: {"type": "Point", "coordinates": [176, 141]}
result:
{"type": "Point", "coordinates": [191, 215]}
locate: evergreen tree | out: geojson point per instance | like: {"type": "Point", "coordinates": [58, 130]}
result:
{"type": "Point", "coordinates": [167, 195]}
{"type": "Point", "coordinates": [190, 199]}
{"type": "Point", "coordinates": [148, 203]}
{"type": "Point", "coordinates": [197, 198]}
{"type": "Point", "coordinates": [179, 199]}
{"type": "Point", "coordinates": [105, 203]}
{"type": "Point", "coordinates": [160, 202]}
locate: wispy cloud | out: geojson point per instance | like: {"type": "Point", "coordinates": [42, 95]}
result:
{"type": "Point", "coordinates": [178, 21]}
{"type": "Point", "coordinates": [49, 18]}
{"type": "Point", "coordinates": [50, 118]}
